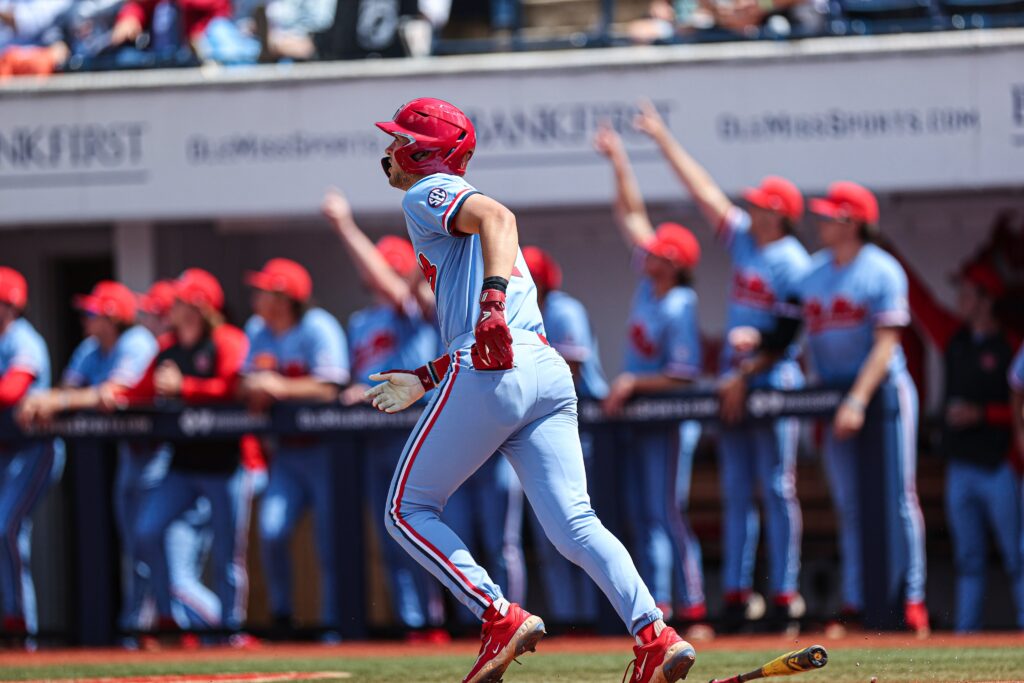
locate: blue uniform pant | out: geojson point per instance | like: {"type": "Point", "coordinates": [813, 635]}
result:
{"type": "Point", "coordinates": [300, 478]}
{"type": "Point", "coordinates": [841, 461]}
{"type": "Point", "coordinates": [414, 597]}
{"type": "Point", "coordinates": [763, 454]}
{"type": "Point", "coordinates": [487, 513]}
{"type": "Point", "coordinates": [25, 476]}
{"type": "Point", "coordinates": [528, 414]}
{"type": "Point", "coordinates": [230, 497]}
{"type": "Point", "coordinates": [657, 484]}
{"type": "Point", "coordinates": [140, 469]}
{"type": "Point", "coordinates": [188, 540]}
{"type": "Point", "coordinates": [571, 596]}
{"type": "Point", "coordinates": [980, 500]}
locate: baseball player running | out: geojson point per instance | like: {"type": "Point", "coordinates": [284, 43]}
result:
{"type": "Point", "coordinates": [114, 355]}
{"type": "Point", "coordinates": [662, 354]}
{"type": "Point", "coordinates": [766, 260]}
{"type": "Point", "coordinates": [296, 353]}
{"type": "Point", "coordinates": [502, 388]}
{"type": "Point", "coordinates": [27, 469]}
{"type": "Point", "coordinates": [199, 362]}
{"type": "Point", "coordinates": [397, 331]}
{"type": "Point", "coordinates": [571, 596]}
{"type": "Point", "coordinates": [854, 304]}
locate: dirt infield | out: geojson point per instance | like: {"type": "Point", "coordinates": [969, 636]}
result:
{"type": "Point", "coordinates": [551, 645]}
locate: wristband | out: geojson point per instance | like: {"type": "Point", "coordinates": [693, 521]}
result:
{"type": "Point", "coordinates": [496, 282]}
{"type": "Point", "coordinates": [431, 374]}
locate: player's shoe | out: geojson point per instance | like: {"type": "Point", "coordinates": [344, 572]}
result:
{"type": "Point", "coordinates": [849, 619]}
{"type": "Point", "coordinates": [666, 659]}
{"type": "Point", "coordinates": [742, 608]}
{"type": "Point", "coordinates": [693, 622]}
{"type": "Point", "coordinates": [915, 616]}
{"type": "Point", "coordinates": [502, 641]}
{"type": "Point", "coordinates": [787, 611]}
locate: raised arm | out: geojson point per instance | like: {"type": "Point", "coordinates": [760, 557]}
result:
{"type": "Point", "coordinates": [630, 212]}
{"type": "Point", "coordinates": [713, 203]}
{"type": "Point", "coordinates": [372, 267]}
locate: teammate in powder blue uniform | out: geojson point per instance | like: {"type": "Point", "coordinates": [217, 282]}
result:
{"type": "Point", "coordinates": [571, 595]}
{"type": "Point", "coordinates": [662, 354]}
{"type": "Point", "coordinates": [114, 354]}
{"type": "Point", "coordinates": [854, 306]}
{"type": "Point", "coordinates": [502, 388]}
{"type": "Point", "coordinates": [766, 260]}
{"type": "Point", "coordinates": [27, 469]}
{"type": "Point", "coordinates": [296, 353]}
{"type": "Point", "coordinates": [396, 331]}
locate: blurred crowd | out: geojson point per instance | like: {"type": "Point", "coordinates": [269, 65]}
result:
{"type": "Point", "coordinates": [183, 508]}
{"type": "Point", "coordinates": [41, 37]}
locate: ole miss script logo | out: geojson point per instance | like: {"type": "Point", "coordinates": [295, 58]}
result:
{"type": "Point", "coordinates": [842, 312]}
{"type": "Point", "coordinates": [751, 289]}
{"type": "Point", "coordinates": [429, 269]}
{"type": "Point", "coordinates": [641, 342]}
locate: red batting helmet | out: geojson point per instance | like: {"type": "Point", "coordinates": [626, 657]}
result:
{"type": "Point", "coordinates": [439, 138]}
{"type": "Point", "coordinates": [545, 270]}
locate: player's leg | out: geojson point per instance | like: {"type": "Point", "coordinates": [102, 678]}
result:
{"type": "Point", "coordinates": [909, 508]}
{"type": "Point", "coordinates": [408, 598]}
{"type": "Point", "coordinates": [740, 520]}
{"type": "Point", "coordinates": [498, 508]}
{"type": "Point", "coordinates": [230, 497]}
{"type": "Point", "coordinates": [466, 421]}
{"type": "Point", "coordinates": [27, 475]}
{"type": "Point", "coordinates": [840, 458]}
{"type": "Point", "coordinates": [688, 571]}
{"type": "Point", "coordinates": [320, 480]}
{"type": "Point", "coordinates": [194, 605]}
{"type": "Point", "coordinates": [775, 452]}
{"type": "Point", "coordinates": [647, 484]}
{"type": "Point", "coordinates": [139, 470]}
{"type": "Point", "coordinates": [280, 509]}
{"type": "Point", "coordinates": [1003, 510]}
{"type": "Point", "coordinates": [460, 517]}
{"type": "Point", "coordinates": [966, 514]}
{"type": "Point", "coordinates": [157, 510]}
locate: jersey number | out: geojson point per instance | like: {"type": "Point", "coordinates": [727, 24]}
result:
{"type": "Point", "coordinates": [429, 271]}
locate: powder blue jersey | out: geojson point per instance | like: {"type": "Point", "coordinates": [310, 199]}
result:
{"type": "Point", "coordinates": [384, 338]}
{"type": "Point", "coordinates": [125, 364]}
{"type": "Point", "coordinates": [663, 333]}
{"type": "Point", "coordinates": [1016, 374]}
{"type": "Point", "coordinates": [569, 333]}
{"type": "Point", "coordinates": [453, 263]}
{"type": "Point", "coordinates": [315, 347]}
{"type": "Point", "coordinates": [763, 277]}
{"type": "Point", "coordinates": [22, 348]}
{"type": "Point", "coordinates": [843, 305]}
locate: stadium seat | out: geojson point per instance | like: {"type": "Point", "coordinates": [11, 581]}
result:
{"type": "Point", "coordinates": [885, 16]}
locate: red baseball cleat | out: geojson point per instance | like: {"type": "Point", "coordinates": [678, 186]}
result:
{"type": "Point", "coordinates": [666, 659]}
{"type": "Point", "coordinates": [503, 640]}
{"type": "Point", "coordinates": [915, 615]}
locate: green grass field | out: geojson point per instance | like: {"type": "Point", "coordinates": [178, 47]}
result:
{"type": "Point", "coordinates": [845, 666]}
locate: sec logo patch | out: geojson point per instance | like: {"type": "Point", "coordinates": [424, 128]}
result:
{"type": "Point", "coordinates": [436, 197]}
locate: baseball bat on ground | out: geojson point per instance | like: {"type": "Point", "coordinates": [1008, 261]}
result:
{"type": "Point", "coordinates": [795, 662]}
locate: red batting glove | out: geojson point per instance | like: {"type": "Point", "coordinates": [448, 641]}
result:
{"type": "Point", "coordinates": [493, 347]}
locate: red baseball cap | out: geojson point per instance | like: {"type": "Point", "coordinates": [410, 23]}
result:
{"type": "Point", "coordinates": [196, 287]}
{"type": "Point", "coordinates": [109, 299]}
{"type": "Point", "coordinates": [675, 243]}
{"type": "Point", "coordinates": [158, 300]}
{"type": "Point", "coordinates": [399, 254]}
{"type": "Point", "coordinates": [985, 278]}
{"type": "Point", "coordinates": [13, 288]}
{"type": "Point", "coordinates": [847, 200]}
{"type": "Point", "coordinates": [778, 195]}
{"type": "Point", "coordinates": [545, 270]}
{"type": "Point", "coordinates": [283, 276]}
